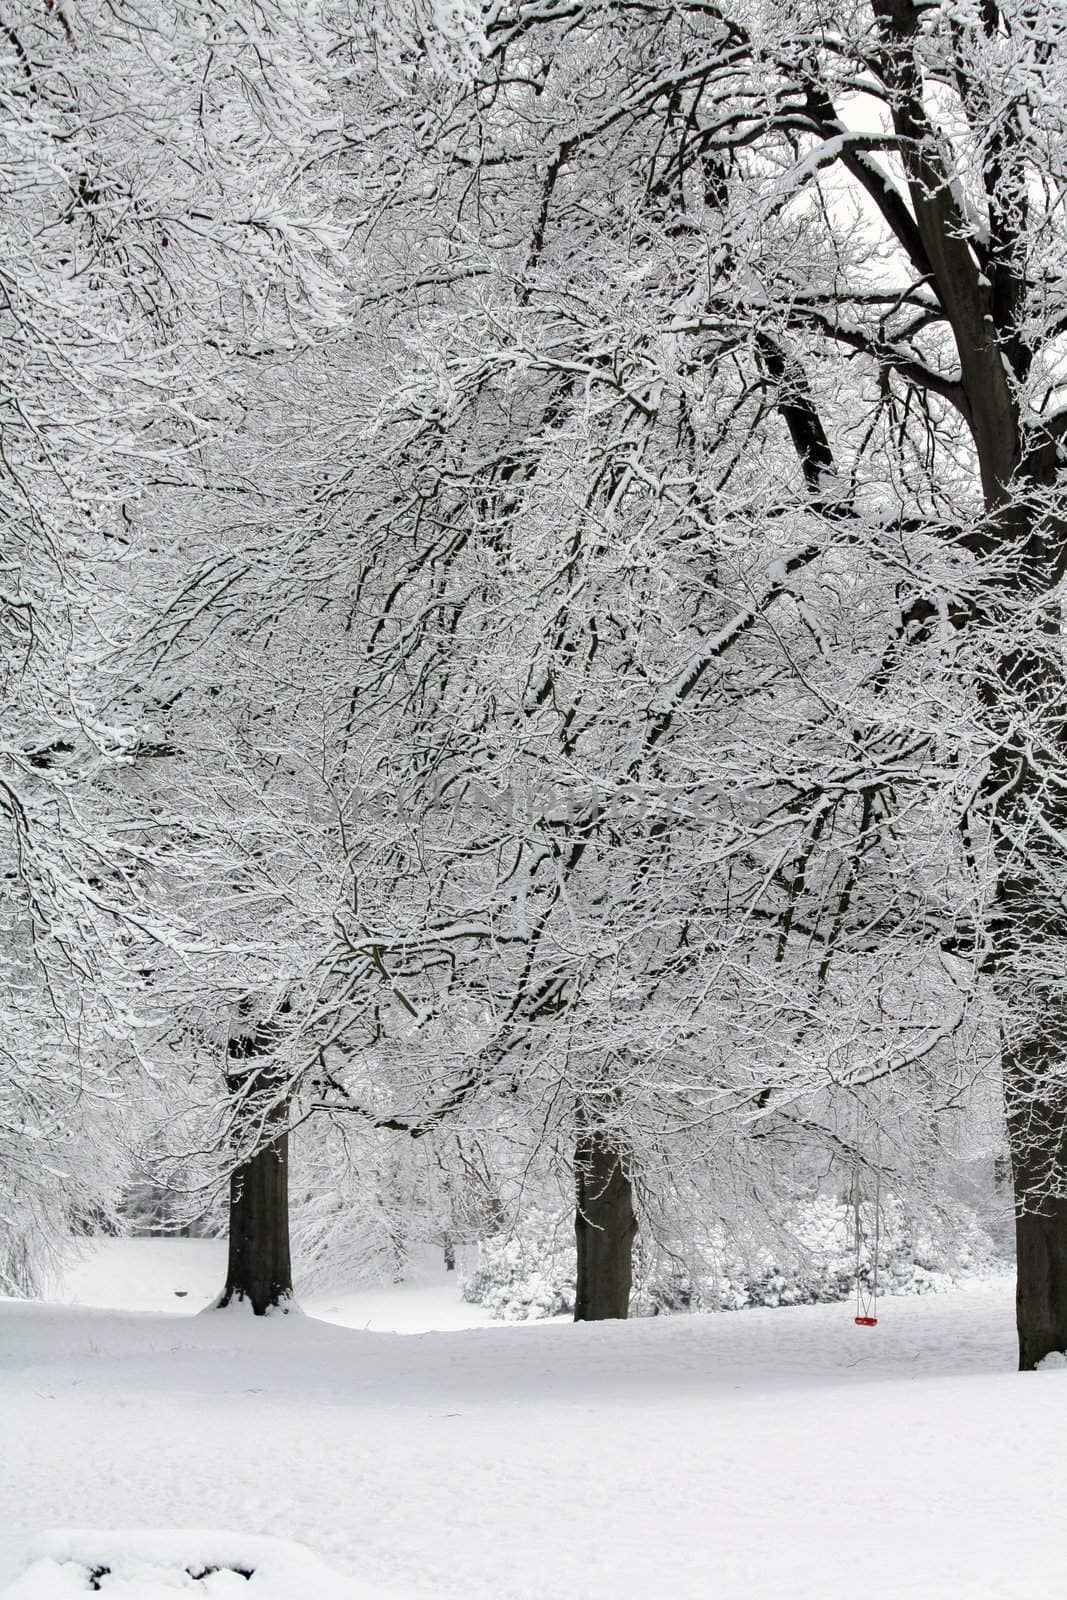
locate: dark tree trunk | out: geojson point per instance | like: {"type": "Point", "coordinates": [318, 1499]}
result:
{"type": "Point", "coordinates": [1041, 1282]}
{"type": "Point", "coordinates": [1037, 1126]}
{"type": "Point", "coordinates": [258, 1268]}
{"type": "Point", "coordinates": [1027, 931]}
{"type": "Point", "coordinates": [604, 1227]}
{"type": "Point", "coordinates": [1025, 697]}
{"type": "Point", "coordinates": [449, 1249]}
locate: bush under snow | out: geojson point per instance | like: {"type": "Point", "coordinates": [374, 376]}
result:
{"type": "Point", "coordinates": [529, 1273]}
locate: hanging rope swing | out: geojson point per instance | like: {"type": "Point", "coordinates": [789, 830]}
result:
{"type": "Point", "coordinates": [866, 1293]}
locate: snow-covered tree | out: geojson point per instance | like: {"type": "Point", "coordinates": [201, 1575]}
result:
{"type": "Point", "coordinates": [152, 161]}
{"type": "Point", "coordinates": [679, 816]}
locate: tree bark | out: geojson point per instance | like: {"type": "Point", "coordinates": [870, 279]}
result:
{"type": "Point", "coordinates": [258, 1269]}
{"type": "Point", "coordinates": [1028, 931]}
{"type": "Point", "coordinates": [1041, 1282]}
{"type": "Point", "coordinates": [605, 1227]}
{"type": "Point", "coordinates": [1037, 1130]}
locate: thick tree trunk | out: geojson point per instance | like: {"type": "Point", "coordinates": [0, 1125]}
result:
{"type": "Point", "coordinates": [258, 1269]}
{"type": "Point", "coordinates": [1041, 1282]}
{"type": "Point", "coordinates": [605, 1227]}
{"type": "Point", "coordinates": [1025, 696]}
{"type": "Point", "coordinates": [1037, 1128]}
{"type": "Point", "coordinates": [1029, 931]}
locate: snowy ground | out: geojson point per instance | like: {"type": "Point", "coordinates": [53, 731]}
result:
{"type": "Point", "coordinates": [184, 1274]}
{"type": "Point", "coordinates": [759, 1455]}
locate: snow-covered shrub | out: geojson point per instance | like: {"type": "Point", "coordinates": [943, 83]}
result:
{"type": "Point", "coordinates": [810, 1260]}
{"type": "Point", "coordinates": [527, 1273]}
{"type": "Point", "coordinates": [814, 1262]}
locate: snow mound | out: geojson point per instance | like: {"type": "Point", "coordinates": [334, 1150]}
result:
{"type": "Point", "coordinates": [157, 1564]}
{"type": "Point", "coordinates": [1054, 1359]}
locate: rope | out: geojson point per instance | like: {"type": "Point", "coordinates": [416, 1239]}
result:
{"type": "Point", "coordinates": [877, 1233]}
{"type": "Point", "coordinates": [867, 1298]}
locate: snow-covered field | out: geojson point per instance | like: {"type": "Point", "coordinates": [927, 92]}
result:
{"type": "Point", "coordinates": [184, 1274]}
{"type": "Point", "coordinates": [758, 1455]}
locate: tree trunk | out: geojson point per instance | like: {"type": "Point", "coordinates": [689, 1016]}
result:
{"type": "Point", "coordinates": [258, 1268]}
{"type": "Point", "coordinates": [1041, 1282]}
{"type": "Point", "coordinates": [604, 1227]}
{"type": "Point", "coordinates": [1037, 1128]}
{"type": "Point", "coordinates": [1028, 934]}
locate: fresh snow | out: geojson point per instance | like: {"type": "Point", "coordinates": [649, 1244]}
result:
{"type": "Point", "coordinates": [183, 1275]}
{"type": "Point", "coordinates": [755, 1455]}
{"type": "Point", "coordinates": [156, 1565]}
